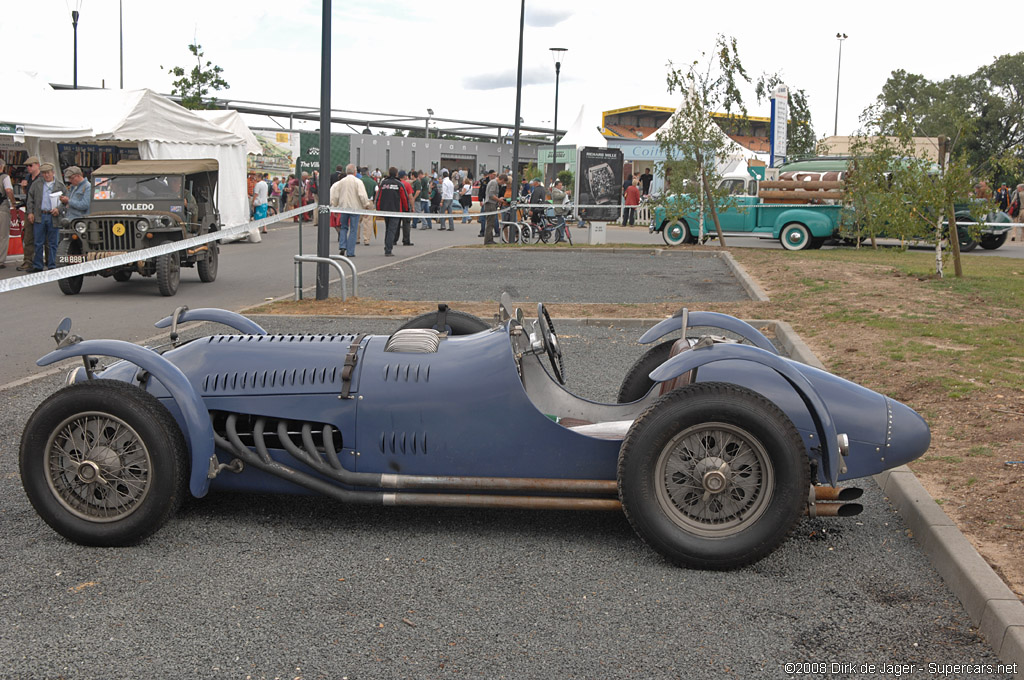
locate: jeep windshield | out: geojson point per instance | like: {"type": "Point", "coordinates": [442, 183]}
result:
{"type": "Point", "coordinates": [137, 187]}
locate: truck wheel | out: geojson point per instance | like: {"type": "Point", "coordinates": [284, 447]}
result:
{"type": "Point", "coordinates": [103, 463]}
{"type": "Point", "coordinates": [993, 241]}
{"type": "Point", "coordinates": [713, 476]}
{"type": "Point", "coordinates": [637, 382]}
{"type": "Point", "coordinates": [456, 323]}
{"type": "Point", "coordinates": [675, 233]}
{"type": "Point", "coordinates": [208, 268]}
{"type": "Point", "coordinates": [795, 236]}
{"type": "Point", "coordinates": [168, 273]}
{"type": "Point", "coordinates": [71, 285]}
{"type": "Point", "coordinates": [122, 275]}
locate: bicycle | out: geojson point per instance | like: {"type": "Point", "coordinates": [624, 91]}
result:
{"type": "Point", "coordinates": [548, 225]}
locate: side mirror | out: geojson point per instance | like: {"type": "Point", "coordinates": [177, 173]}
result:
{"type": "Point", "coordinates": [62, 336]}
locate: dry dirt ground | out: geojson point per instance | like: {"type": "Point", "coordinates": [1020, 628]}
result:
{"type": "Point", "coordinates": [974, 431]}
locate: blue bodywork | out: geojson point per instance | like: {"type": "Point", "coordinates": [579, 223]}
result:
{"type": "Point", "coordinates": [480, 405]}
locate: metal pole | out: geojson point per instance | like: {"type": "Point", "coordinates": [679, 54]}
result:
{"type": "Point", "coordinates": [74, 25]}
{"type": "Point", "coordinates": [323, 234]}
{"type": "Point", "coordinates": [519, 101]}
{"type": "Point", "coordinates": [840, 37]}
{"type": "Point", "coordinates": [120, 16]}
{"type": "Point", "coordinates": [554, 136]}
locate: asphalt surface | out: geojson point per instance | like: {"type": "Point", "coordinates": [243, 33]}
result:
{"type": "Point", "coordinates": [563, 275]}
{"type": "Point", "coordinates": [300, 587]}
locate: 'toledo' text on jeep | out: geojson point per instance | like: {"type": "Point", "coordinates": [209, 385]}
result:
{"type": "Point", "coordinates": [141, 204]}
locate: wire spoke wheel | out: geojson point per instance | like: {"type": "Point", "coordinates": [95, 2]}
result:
{"type": "Point", "coordinates": [714, 479]}
{"type": "Point", "coordinates": [98, 467]}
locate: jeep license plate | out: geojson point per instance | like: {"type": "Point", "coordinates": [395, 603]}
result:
{"type": "Point", "coordinates": [70, 259]}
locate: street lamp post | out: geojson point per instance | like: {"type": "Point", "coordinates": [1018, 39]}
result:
{"type": "Point", "coordinates": [74, 25]}
{"type": "Point", "coordinates": [426, 125]}
{"type": "Point", "coordinates": [557, 53]}
{"type": "Point", "coordinates": [840, 37]}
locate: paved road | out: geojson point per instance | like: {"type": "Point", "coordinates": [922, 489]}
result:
{"type": "Point", "coordinates": [296, 587]}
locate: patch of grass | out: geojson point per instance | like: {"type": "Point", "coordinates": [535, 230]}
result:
{"type": "Point", "coordinates": [971, 481]}
{"type": "Point", "coordinates": [952, 460]}
{"type": "Point", "coordinates": [982, 451]}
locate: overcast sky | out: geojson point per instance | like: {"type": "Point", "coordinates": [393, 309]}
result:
{"type": "Point", "coordinates": [459, 58]}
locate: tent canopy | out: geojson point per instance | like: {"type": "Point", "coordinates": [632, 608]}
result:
{"type": "Point", "coordinates": [581, 134]}
{"type": "Point", "coordinates": [230, 120]}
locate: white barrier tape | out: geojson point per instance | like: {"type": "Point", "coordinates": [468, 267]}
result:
{"type": "Point", "coordinates": [131, 257]}
{"type": "Point", "coordinates": [459, 213]}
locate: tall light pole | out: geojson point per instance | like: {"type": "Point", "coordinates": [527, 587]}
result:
{"type": "Point", "coordinates": [557, 53]}
{"type": "Point", "coordinates": [426, 125]}
{"type": "Point", "coordinates": [519, 102]}
{"type": "Point", "coordinates": [840, 37]}
{"type": "Point", "coordinates": [74, 25]}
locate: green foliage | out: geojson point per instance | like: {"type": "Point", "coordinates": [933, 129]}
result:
{"type": "Point", "coordinates": [195, 84]}
{"type": "Point", "coordinates": [800, 139]}
{"type": "Point", "coordinates": [568, 179]}
{"type": "Point", "coordinates": [531, 171]}
{"type": "Point", "coordinates": [983, 112]}
{"type": "Point", "coordinates": [693, 142]}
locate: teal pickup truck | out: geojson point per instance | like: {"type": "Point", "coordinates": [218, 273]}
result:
{"type": "Point", "coordinates": [796, 226]}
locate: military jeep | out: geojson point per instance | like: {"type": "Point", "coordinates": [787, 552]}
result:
{"type": "Point", "coordinates": [141, 204]}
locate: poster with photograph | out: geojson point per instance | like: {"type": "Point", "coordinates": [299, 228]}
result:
{"type": "Point", "coordinates": [600, 181]}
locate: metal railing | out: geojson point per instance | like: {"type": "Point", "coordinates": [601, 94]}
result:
{"type": "Point", "coordinates": [335, 261]}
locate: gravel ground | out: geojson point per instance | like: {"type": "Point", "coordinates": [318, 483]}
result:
{"type": "Point", "coordinates": [561, 275]}
{"type": "Point", "coordinates": [294, 587]}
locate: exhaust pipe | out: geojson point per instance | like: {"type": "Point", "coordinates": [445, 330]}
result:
{"type": "Point", "coordinates": [834, 509]}
{"type": "Point", "coordinates": [831, 493]}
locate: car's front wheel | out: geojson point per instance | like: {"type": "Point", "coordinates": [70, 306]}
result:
{"type": "Point", "coordinates": [168, 273]}
{"type": "Point", "coordinates": [675, 233]}
{"type": "Point", "coordinates": [103, 463]}
{"type": "Point", "coordinates": [73, 284]}
{"type": "Point", "coordinates": [992, 241]}
{"type": "Point", "coordinates": [207, 268]}
{"type": "Point", "coordinates": [713, 476]}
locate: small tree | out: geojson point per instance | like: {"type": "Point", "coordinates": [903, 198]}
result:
{"type": "Point", "coordinates": [693, 143]}
{"type": "Point", "coordinates": [193, 85]}
{"type": "Point", "coordinates": [567, 178]}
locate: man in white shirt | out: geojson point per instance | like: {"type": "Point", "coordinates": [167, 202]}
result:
{"type": "Point", "coordinates": [447, 195]}
{"type": "Point", "coordinates": [349, 193]}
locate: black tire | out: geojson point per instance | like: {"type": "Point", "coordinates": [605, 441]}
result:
{"type": "Point", "coordinates": [208, 268]}
{"type": "Point", "coordinates": [122, 275]}
{"type": "Point", "coordinates": [168, 273]}
{"type": "Point", "coordinates": [456, 323]}
{"type": "Point", "coordinates": [993, 241]}
{"type": "Point", "coordinates": [795, 236]}
{"type": "Point", "coordinates": [817, 243]}
{"type": "Point", "coordinates": [713, 476]}
{"type": "Point", "coordinates": [119, 432]}
{"type": "Point", "coordinates": [71, 285]}
{"type": "Point", "coordinates": [637, 382]}
{"type": "Point", "coordinates": [510, 232]}
{"type": "Point", "coordinates": [967, 242]}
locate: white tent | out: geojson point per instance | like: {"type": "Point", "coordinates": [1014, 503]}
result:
{"type": "Point", "coordinates": [161, 129]}
{"type": "Point", "coordinates": [581, 134]}
{"type": "Point", "coordinates": [230, 120]}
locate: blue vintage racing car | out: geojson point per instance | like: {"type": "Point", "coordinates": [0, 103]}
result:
{"type": "Point", "coordinates": [716, 447]}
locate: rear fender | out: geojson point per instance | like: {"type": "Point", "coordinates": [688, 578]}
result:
{"type": "Point", "coordinates": [199, 430]}
{"type": "Point", "coordinates": [711, 320]}
{"type": "Point", "coordinates": [819, 224]}
{"type": "Point", "coordinates": [240, 323]}
{"type": "Point", "coordinates": [824, 424]}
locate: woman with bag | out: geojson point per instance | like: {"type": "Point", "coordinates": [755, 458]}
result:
{"type": "Point", "coordinates": [466, 199]}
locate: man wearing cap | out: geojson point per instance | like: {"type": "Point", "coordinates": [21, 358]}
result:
{"type": "Point", "coordinates": [493, 200]}
{"type": "Point", "coordinates": [6, 206]}
{"type": "Point", "coordinates": [28, 243]}
{"type": "Point", "coordinates": [447, 196]}
{"type": "Point", "coordinates": [44, 207]}
{"type": "Point", "coordinates": [79, 196]}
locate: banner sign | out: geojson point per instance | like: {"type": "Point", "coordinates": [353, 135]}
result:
{"type": "Point", "coordinates": [780, 118]}
{"type": "Point", "coordinates": [600, 181]}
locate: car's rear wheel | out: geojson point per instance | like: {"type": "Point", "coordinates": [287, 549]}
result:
{"type": "Point", "coordinates": [208, 268]}
{"type": "Point", "coordinates": [675, 233]}
{"type": "Point", "coordinates": [795, 236]}
{"type": "Point", "coordinates": [73, 284]}
{"type": "Point", "coordinates": [713, 476]}
{"type": "Point", "coordinates": [168, 273]}
{"type": "Point", "coordinates": [103, 463]}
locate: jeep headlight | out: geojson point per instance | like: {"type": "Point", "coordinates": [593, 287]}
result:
{"type": "Point", "coordinates": [80, 227]}
{"type": "Point", "coordinates": [142, 226]}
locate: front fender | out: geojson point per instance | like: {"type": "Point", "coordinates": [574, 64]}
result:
{"type": "Point", "coordinates": [197, 418]}
{"type": "Point", "coordinates": [712, 320]}
{"type": "Point", "coordinates": [695, 358]}
{"type": "Point", "coordinates": [240, 323]}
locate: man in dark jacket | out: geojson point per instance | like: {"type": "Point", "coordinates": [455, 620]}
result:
{"type": "Point", "coordinates": [391, 197]}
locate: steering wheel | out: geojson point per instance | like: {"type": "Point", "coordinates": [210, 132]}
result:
{"type": "Point", "coordinates": [547, 333]}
